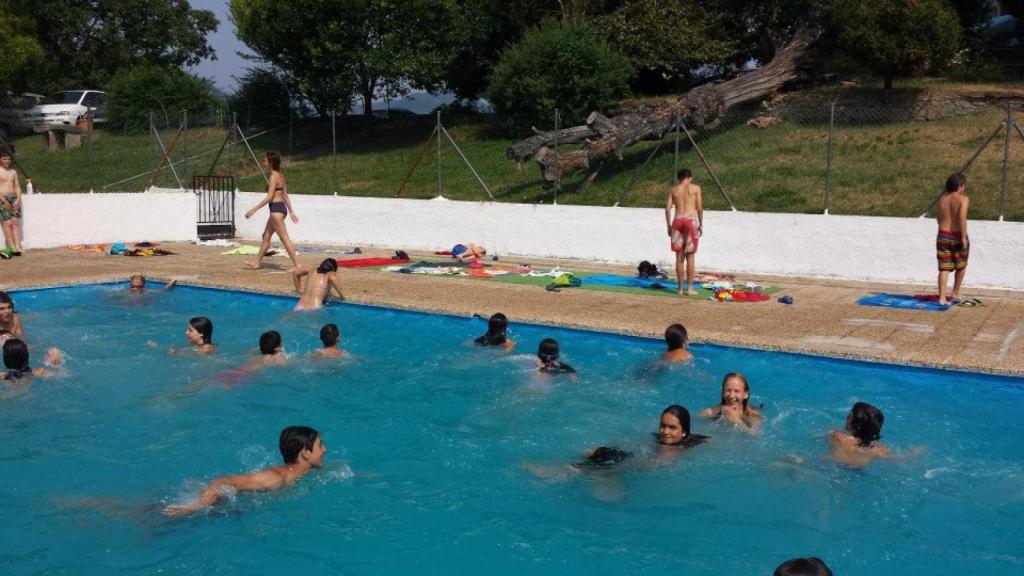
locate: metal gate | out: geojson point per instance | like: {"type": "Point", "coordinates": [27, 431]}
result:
{"type": "Point", "coordinates": [216, 214]}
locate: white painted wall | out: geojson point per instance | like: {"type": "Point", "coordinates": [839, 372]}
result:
{"type": "Point", "coordinates": [849, 247]}
{"type": "Point", "coordinates": [51, 220]}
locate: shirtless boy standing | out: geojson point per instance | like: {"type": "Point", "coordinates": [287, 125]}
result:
{"type": "Point", "coordinates": [10, 204]}
{"type": "Point", "coordinates": [951, 245]}
{"type": "Point", "coordinates": [686, 227]}
{"type": "Point", "coordinates": [318, 285]}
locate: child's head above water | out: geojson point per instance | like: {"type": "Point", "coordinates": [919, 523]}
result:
{"type": "Point", "coordinates": [270, 342]}
{"type": "Point", "coordinates": [497, 331]}
{"type": "Point", "coordinates": [330, 335]}
{"type": "Point", "coordinates": [674, 426]}
{"type": "Point", "coordinates": [203, 326]}
{"type": "Point", "coordinates": [137, 283]}
{"type": "Point", "coordinates": [803, 567]}
{"type": "Point", "coordinates": [295, 439]}
{"type": "Point", "coordinates": [735, 389]}
{"type": "Point", "coordinates": [864, 422]}
{"type": "Point", "coordinates": [548, 351]}
{"type": "Point", "coordinates": [15, 354]}
{"type": "Point", "coordinates": [675, 336]}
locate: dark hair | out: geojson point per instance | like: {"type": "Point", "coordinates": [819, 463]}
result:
{"type": "Point", "coordinates": [675, 336]}
{"type": "Point", "coordinates": [866, 423]}
{"type": "Point", "coordinates": [274, 159]}
{"type": "Point", "coordinates": [269, 342]}
{"type": "Point", "coordinates": [548, 350]}
{"type": "Point", "coordinates": [746, 388]}
{"type": "Point", "coordinates": [683, 175]}
{"type": "Point", "coordinates": [683, 415]}
{"type": "Point", "coordinates": [605, 456]}
{"type": "Point", "coordinates": [497, 326]}
{"type": "Point", "coordinates": [16, 354]}
{"type": "Point", "coordinates": [955, 181]}
{"type": "Point", "coordinates": [328, 265]}
{"type": "Point", "coordinates": [5, 298]}
{"type": "Point", "coordinates": [295, 439]}
{"type": "Point", "coordinates": [204, 326]}
{"type": "Point", "coordinates": [803, 567]}
{"type": "Point", "coordinates": [329, 334]}
{"type": "Point", "coordinates": [7, 150]}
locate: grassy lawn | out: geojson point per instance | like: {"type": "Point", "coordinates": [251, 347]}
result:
{"type": "Point", "coordinates": [890, 169]}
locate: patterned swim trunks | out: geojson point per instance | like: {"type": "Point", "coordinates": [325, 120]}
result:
{"type": "Point", "coordinates": [950, 251]}
{"type": "Point", "coordinates": [8, 214]}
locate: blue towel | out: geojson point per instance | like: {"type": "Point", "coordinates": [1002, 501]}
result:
{"type": "Point", "coordinates": [901, 301]}
{"type": "Point", "coordinates": [632, 282]}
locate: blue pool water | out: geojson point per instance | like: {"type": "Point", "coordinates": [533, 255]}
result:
{"type": "Point", "coordinates": [437, 433]}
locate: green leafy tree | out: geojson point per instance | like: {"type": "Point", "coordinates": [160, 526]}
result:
{"type": "Point", "coordinates": [564, 66]}
{"type": "Point", "coordinates": [87, 41]}
{"type": "Point", "coordinates": [135, 92]}
{"type": "Point", "coordinates": [261, 97]}
{"type": "Point", "coordinates": [894, 38]}
{"type": "Point", "coordinates": [668, 40]}
{"type": "Point", "coordinates": [337, 49]}
{"type": "Point", "coordinates": [20, 52]}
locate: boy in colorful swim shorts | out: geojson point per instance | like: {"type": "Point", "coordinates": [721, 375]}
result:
{"type": "Point", "coordinates": [952, 247]}
{"type": "Point", "coordinates": [686, 228]}
{"type": "Point", "coordinates": [10, 204]}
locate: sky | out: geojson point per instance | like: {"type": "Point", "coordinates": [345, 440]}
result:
{"type": "Point", "coordinates": [230, 65]}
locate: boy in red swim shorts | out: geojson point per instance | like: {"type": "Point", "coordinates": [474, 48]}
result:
{"type": "Point", "coordinates": [686, 228]}
{"type": "Point", "coordinates": [952, 247]}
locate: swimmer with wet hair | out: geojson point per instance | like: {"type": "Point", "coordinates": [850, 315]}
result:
{"type": "Point", "coordinates": [803, 567]}
{"type": "Point", "coordinates": [137, 284]}
{"type": "Point", "coordinates": [318, 285]}
{"type": "Point", "coordinates": [270, 350]}
{"type": "Point", "coordinates": [10, 321]}
{"type": "Point", "coordinates": [858, 444]}
{"type": "Point", "coordinates": [302, 450]}
{"type": "Point", "coordinates": [16, 361]}
{"type": "Point", "coordinates": [734, 407]}
{"type": "Point", "coordinates": [678, 344]}
{"type": "Point", "coordinates": [200, 334]}
{"type": "Point", "coordinates": [330, 335]}
{"type": "Point", "coordinates": [547, 358]}
{"type": "Point", "coordinates": [674, 431]}
{"type": "Point", "coordinates": [497, 333]}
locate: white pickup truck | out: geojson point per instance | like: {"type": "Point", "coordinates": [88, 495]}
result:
{"type": "Point", "coordinates": [65, 108]}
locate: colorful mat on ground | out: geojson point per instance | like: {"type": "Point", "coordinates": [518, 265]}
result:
{"type": "Point", "coordinates": [366, 262]}
{"type": "Point", "coordinates": [906, 301]}
{"type": "Point", "coordinates": [633, 282]}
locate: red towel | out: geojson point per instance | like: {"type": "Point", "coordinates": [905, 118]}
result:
{"type": "Point", "coordinates": [363, 262]}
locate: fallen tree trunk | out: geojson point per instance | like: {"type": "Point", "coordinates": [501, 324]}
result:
{"type": "Point", "coordinates": [602, 137]}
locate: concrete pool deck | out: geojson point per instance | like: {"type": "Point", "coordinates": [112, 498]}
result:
{"type": "Point", "coordinates": [824, 319]}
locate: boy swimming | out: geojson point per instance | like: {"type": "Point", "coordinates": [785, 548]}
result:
{"type": "Point", "coordinates": [302, 450]}
{"type": "Point", "coordinates": [677, 341]}
{"type": "Point", "coordinates": [858, 444]}
{"type": "Point", "coordinates": [547, 359]}
{"type": "Point", "coordinates": [9, 319]}
{"type": "Point", "coordinates": [330, 335]}
{"type": "Point", "coordinates": [318, 285]}
{"type": "Point", "coordinates": [137, 284]}
{"type": "Point", "coordinates": [497, 333]}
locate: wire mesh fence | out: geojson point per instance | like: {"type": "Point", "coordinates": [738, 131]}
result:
{"type": "Point", "coordinates": [843, 159]}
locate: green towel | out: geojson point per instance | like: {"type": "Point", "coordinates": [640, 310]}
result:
{"type": "Point", "coordinates": [246, 250]}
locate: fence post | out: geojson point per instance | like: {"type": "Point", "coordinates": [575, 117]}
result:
{"type": "Point", "coordinates": [828, 166]}
{"type": "Point", "coordinates": [558, 175]}
{"type": "Point", "coordinates": [675, 158]}
{"type": "Point", "coordinates": [438, 128]}
{"type": "Point", "coordinates": [1006, 159]}
{"type": "Point", "coordinates": [184, 146]}
{"type": "Point", "coordinates": [88, 150]}
{"type": "Point", "coordinates": [334, 150]}
{"type": "Point", "coordinates": [231, 146]}
{"type": "Point", "coordinates": [153, 146]}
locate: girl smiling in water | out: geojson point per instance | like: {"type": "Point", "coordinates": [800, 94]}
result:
{"type": "Point", "coordinates": [734, 407]}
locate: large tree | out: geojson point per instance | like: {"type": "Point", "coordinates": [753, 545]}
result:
{"type": "Point", "coordinates": [894, 38]}
{"type": "Point", "coordinates": [337, 49]}
{"type": "Point", "coordinates": [87, 41]}
{"type": "Point", "coordinates": [20, 52]}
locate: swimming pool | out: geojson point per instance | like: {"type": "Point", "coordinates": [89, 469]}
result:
{"type": "Point", "coordinates": [437, 432]}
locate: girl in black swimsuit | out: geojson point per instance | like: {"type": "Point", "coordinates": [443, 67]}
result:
{"type": "Point", "coordinates": [280, 206]}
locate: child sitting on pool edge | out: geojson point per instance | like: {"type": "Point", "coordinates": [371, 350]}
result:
{"type": "Point", "coordinates": [302, 450]}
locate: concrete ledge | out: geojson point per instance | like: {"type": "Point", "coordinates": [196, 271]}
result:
{"type": "Point", "coordinates": [862, 248]}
